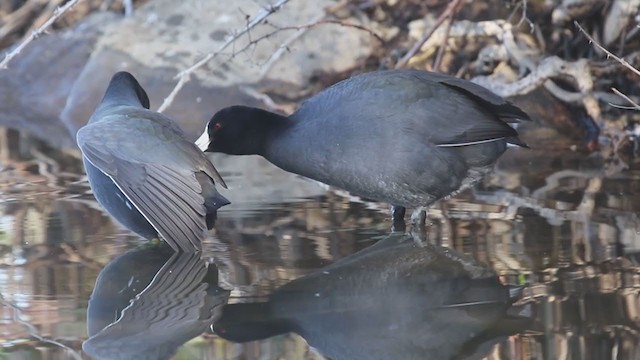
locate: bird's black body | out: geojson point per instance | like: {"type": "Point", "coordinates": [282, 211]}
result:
{"type": "Point", "coordinates": [115, 202]}
{"type": "Point", "coordinates": [144, 172]}
{"type": "Point", "coordinates": [404, 137]}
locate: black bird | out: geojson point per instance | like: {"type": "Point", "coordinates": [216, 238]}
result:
{"type": "Point", "coordinates": [405, 137]}
{"type": "Point", "coordinates": [393, 300]}
{"type": "Point", "coordinates": [144, 172]}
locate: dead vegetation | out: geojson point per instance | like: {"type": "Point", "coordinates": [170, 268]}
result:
{"type": "Point", "coordinates": [583, 52]}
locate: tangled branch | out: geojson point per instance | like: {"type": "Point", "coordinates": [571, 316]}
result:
{"type": "Point", "coordinates": [447, 14]}
{"type": "Point", "coordinates": [185, 75]}
{"type": "Point", "coordinates": [622, 61]}
{"type": "Point", "coordinates": [57, 13]}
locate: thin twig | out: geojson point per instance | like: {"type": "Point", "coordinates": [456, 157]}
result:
{"type": "Point", "coordinates": [185, 75]}
{"type": "Point", "coordinates": [414, 49]}
{"type": "Point", "coordinates": [18, 19]}
{"type": "Point", "coordinates": [524, 17]}
{"type": "Point", "coordinates": [633, 103]}
{"type": "Point", "coordinates": [266, 67]}
{"type": "Point", "coordinates": [18, 314]}
{"type": "Point", "coordinates": [305, 26]}
{"type": "Point", "coordinates": [56, 14]}
{"type": "Point", "coordinates": [609, 53]}
{"type": "Point", "coordinates": [443, 46]}
{"type": "Point", "coordinates": [267, 100]}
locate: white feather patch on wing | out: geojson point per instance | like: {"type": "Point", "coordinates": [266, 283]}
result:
{"type": "Point", "coordinates": [470, 143]}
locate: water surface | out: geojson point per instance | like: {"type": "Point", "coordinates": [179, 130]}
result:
{"type": "Point", "coordinates": [561, 224]}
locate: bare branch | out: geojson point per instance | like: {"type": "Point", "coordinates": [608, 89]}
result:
{"type": "Point", "coordinates": [443, 46]}
{"type": "Point", "coordinates": [283, 48]}
{"type": "Point", "coordinates": [525, 17]}
{"type": "Point", "coordinates": [56, 14]}
{"type": "Point", "coordinates": [268, 101]}
{"type": "Point", "coordinates": [622, 61]}
{"type": "Point", "coordinates": [634, 105]}
{"type": "Point", "coordinates": [310, 25]}
{"type": "Point", "coordinates": [184, 76]}
{"type": "Point", "coordinates": [448, 12]}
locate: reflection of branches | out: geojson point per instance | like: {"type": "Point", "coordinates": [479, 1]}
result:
{"type": "Point", "coordinates": [75, 256]}
{"type": "Point", "coordinates": [185, 76]}
{"type": "Point", "coordinates": [553, 181]}
{"type": "Point", "coordinates": [582, 212]}
{"type": "Point", "coordinates": [18, 316]}
{"type": "Point", "coordinates": [39, 31]}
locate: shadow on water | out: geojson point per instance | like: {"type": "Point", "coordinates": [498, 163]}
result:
{"type": "Point", "coordinates": [558, 223]}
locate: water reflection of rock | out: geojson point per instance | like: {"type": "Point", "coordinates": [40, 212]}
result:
{"type": "Point", "coordinates": [279, 242]}
{"type": "Point", "coordinates": [149, 301]}
{"type": "Point", "coordinates": [391, 300]}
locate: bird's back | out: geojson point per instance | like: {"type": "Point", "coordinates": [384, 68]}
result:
{"type": "Point", "coordinates": [388, 130]}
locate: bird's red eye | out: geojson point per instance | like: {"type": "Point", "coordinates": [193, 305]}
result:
{"type": "Point", "coordinates": [217, 126]}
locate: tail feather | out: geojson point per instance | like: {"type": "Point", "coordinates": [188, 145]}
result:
{"type": "Point", "coordinates": [516, 141]}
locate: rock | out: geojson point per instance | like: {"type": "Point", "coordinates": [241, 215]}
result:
{"type": "Point", "coordinates": [193, 106]}
{"type": "Point", "coordinates": [34, 89]}
{"type": "Point", "coordinates": [53, 87]}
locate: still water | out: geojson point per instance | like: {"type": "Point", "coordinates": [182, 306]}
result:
{"type": "Point", "coordinates": [538, 262]}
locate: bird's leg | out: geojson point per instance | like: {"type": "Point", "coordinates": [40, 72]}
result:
{"type": "Point", "coordinates": [418, 225]}
{"type": "Point", "coordinates": [419, 236]}
{"type": "Point", "coordinates": [419, 216]}
{"type": "Point", "coordinates": [397, 219]}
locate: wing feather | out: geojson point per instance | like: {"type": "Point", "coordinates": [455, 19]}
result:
{"type": "Point", "coordinates": [183, 229]}
{"type": "Point", "coordinates": [171, 201]}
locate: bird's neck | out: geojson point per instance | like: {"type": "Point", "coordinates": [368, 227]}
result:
{"type": "Point", "coordinates": [262, 133]}
{"type": "Point", "coordinates": [117, 95]}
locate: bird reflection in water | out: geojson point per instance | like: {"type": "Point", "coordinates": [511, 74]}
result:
{"type": "Point", "coordinates": [149, 301]}
{"type": "Point", "coordinates": [393, 300]}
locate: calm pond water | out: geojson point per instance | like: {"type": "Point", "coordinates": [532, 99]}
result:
{"type": "Point", "coordinates": [290, 256]}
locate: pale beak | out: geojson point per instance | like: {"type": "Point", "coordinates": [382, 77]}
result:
{"type": "Point", "coordinates": [203, 141]}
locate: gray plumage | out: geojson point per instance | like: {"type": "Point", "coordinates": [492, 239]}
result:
{"type": "Point", "coordinates": [168, 180]}
{"type": "Point", "coordinates": [405, 137]}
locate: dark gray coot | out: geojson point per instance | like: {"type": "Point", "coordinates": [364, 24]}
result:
{"type": "Point", "coordinates": [405, 137]}
{"type": "Point", "coordinates": [144, 172]}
